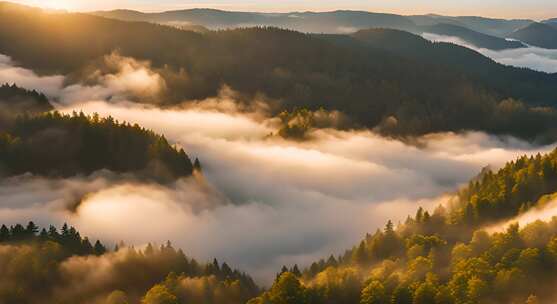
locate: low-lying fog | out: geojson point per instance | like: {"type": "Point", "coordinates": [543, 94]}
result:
{"type": "Point", "coordinates": [535, 58]}
{"type": "Point", "coordinates": [262, 201]}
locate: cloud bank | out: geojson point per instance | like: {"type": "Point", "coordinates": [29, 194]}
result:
{"type": "Point", "coordinates": [262, 201]}
{"type": "Point", "coordinates": [535, 58]}
{"type": "Point", "coordinates": [9, 73]}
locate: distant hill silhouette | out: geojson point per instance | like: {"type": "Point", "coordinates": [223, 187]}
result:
{"type": "Point", "coordinates": [538, 34]}
{"type": "Point", "coordinates": [483, 32]}
{"type": "Point", "coordinates": [475, 38]}
{"type": "Point", "coordinates": [395, 82]}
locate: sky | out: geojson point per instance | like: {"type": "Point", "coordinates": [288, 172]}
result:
{"type": "Point", "coordinates": [530, 9]}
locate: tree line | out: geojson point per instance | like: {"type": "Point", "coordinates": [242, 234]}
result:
{"type": "Point", "coordinates": [375, 84]}
{"type": "Point", "coordinates": [55, 144]}
{"type": "Point", "coordinates": [37, 264]}
{"type": "Point", "coordinates": [446, 256]}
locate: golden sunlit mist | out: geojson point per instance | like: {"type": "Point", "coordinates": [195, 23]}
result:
{"type": "Point", "coordinates": [60, 5]}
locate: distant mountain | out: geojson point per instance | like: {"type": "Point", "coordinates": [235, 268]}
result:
{"type": "Point", "coordinates": [475, 38]}
{"type": "Point", "coordinates": [188, 27]}
{"type": "Point", "coordinates": [495, 27]}
{"type": "Point", "coordinates": [526, 84]}
{"type": "Point", "coordinates": [538, 34]}
{"type": "Point", "coordinates": [482, 32]}
{"type": "Point", "coordinates": [552, 21]}
{"type": "Point", "coordinates": [330, 22]}
{"type": "Point", "coordinates": [404, 91]}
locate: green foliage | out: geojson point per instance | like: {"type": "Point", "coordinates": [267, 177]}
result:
{"type": "Point", "coordinates": [53, 144]}
{"type": "Point", "coordinates": [511, 190]}
{"type": "Point", "coordinates": [445, 257]}
{"type": "Point", "coordinates": [159, 294]}
{"type": "Point", "coordinates": [68, 238]}
{"type": "Point", "coordinates": [402, 295]}
{"type": "Point", "coordinates": [287, 289]}
{"type": "Point", "coordinates": [35, 267]}
{"type": "Point", "coordinates": [295, 125]}
{"type": "Point", "coordinates": [374, 293]}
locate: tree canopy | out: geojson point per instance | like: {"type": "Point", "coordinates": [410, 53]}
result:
{"type": "Point", "coordinates": [37, 264]}
{"type": "Point", "coordinates": [54, 144]}
{"type": "Point", "coordinates": [400, 91]}
{"type": "Point", "coordinates": [447, 256]}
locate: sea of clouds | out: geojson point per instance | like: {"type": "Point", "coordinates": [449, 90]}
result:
{"type": "Point", "coordinates": [262, 201]}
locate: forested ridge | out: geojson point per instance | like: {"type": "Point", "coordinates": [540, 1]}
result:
{"type": "Point", "coordinates": [377, 88]}
{"type": "Point", "coordinates": [16, 101]}
{"type": "Point", "coordinates": [443, 256]}
{"type": "Point", "coordinates": [21, 100]}
{"type": "Point", "coordinates": [54, 144]}
{"type": "Point", "coordinates": [338, 21]}
{"type": "Point", "coordinates": [51, 266]}
{"type": "Point", "coordinates": [446, 256]}
{"type": "Point", "coordinates": [528, 85]}
{"type": "Point", "coordinates": [542, 35]}
{"type": "Point", "coordinates": [479, 40]}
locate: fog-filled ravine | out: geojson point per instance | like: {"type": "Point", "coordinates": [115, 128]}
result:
{"type": "Point", "coordinates": [261, 201]}
{"type": "Point", "coordinates": [531, 57]}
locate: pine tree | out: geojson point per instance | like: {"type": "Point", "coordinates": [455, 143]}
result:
{"type": "Point", "coordinates": [296, 271]}
{"type": "Point", "coordinates": [197, 165]}
{"type": "Point", "coordinates": [31, 229]}
{"type": "Point", "coordinates": [99, 249]}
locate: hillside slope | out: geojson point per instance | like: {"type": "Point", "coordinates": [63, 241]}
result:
{"type": "Point", "coordinates": [38, 263]}
{"type": "Point", "coordinates": [494, 27]}
{"type": "Point", "coordinates": [538, 34]}
{"type": "Point", "coordinates": [374, 86]}
{"type": "Point", "coordinates": [329, 22]}
{"type": "Point", "coordinates": [517, 82]}
{"type": "Point", "coordinates": [475, 38]}
{"type": "Point", "coordinates": [445, 256]}
{"type": "Point", "coordinates": [16, 101]}
{"type": "Point", "coordinates": [58, 145]}
{"type": "Point", "coordinates": [487, 31]}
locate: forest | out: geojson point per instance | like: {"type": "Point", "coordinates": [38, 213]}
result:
{"type": "Point", "coordinates": [51, 266]}
{"type": "Point", "coordinates": [446, 256]}
{"type": "Point", "coordinates": [16, 101]}
{"type": "Point", "coordinates": [59, 145]}
{"type": "Point", "coordinates": [383, 103]}
{"type": "Point", "coordinates": [20, 100]}
{"type": "Point", "coordinates": [374, 87]}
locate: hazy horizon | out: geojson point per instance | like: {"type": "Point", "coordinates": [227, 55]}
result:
{"type": "Point", "coordinates": [518, 9]}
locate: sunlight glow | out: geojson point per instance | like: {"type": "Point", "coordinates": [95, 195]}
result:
{"type": "Point", "coordinates": [60, 5]}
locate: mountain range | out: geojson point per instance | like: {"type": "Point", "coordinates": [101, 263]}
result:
{"type": "Point", "coordinates": [395, 76]}
{"type": "Point", "coordinates": [482, 32]}
{"type": "Point", "coordinates": [542, 35]}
